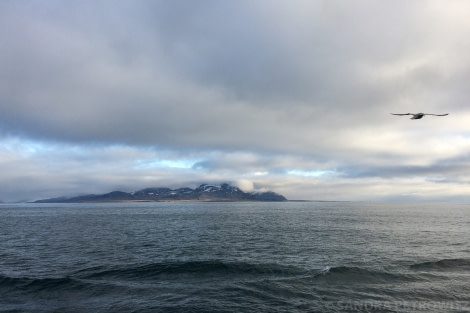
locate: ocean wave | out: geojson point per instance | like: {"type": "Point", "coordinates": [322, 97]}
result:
{"type": "Point", "coordinates": [443, 265]}
{"type": "Point", "coordinates": [357, 275]}
{"type": "Point", "coordinates": [40, 284]}
{"type": "Point", "coordinates": [120, 276]}
{"type": "Point", "coordinates": [195, 268]}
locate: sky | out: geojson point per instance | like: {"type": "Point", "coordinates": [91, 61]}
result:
{"type": "Point", "coordinates": [287, 96]}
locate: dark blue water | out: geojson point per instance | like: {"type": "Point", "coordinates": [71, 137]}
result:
{"type": "Point", "coordinates": [235, 257]}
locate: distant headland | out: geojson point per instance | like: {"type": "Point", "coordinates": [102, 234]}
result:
{"type": "Point", "coordinates": [205, 192]}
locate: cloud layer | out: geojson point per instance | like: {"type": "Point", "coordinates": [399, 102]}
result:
{"type": "Point", "coordinates": [294, 97]}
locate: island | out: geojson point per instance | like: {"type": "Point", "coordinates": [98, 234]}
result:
{"type": "Point", "coordinates": [204, 192]}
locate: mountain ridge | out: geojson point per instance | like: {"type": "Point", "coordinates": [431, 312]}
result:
{"type": "Point", "coordinates": [205, 192]}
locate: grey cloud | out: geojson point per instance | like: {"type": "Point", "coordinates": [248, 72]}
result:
{"type": "Point", "coordinates": [456, 167]}
{"type": "Point", "coordinates": [227, 54]}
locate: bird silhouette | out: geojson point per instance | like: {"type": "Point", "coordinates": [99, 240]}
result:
{"type": "Point", "coordinates": [417, 116]}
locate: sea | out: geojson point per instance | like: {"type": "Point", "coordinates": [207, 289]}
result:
{"type": "Point", "coordinates": [235, 257]}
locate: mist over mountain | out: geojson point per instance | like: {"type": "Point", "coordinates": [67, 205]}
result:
{"type": "Point", "coordinates": [204, 192]}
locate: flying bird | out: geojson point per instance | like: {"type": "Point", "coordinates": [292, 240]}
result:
{"type": "Point", "coordinates": [417, 116]}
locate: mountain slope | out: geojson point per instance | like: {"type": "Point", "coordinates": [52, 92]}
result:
{"type": "Point", "coordinates": [204, 192]}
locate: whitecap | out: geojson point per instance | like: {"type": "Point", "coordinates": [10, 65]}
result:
{"type": "Point", "coordinates": [325, 270]}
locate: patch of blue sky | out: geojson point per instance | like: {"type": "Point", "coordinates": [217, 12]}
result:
{"type": "Point", "coordinates": [24, 147]}
{"type": "Point", "coordinates": [173, 164]}
{"type": "Point", "coordinates": [310, 173]}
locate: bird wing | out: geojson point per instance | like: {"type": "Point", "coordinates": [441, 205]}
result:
{"type": "Point", "coordinates": [402, 113]}
{"type": "Point", "coordinates": [438, 114]}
